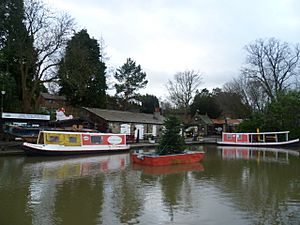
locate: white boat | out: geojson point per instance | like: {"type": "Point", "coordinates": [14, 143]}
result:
{"type": "Point", "coordinates": [67, 143]}
{"type": "Point", "coordinates": [262, 139]}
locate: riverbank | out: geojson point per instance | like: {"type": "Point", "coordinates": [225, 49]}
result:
{"type": "Point", "coordinates": [14, 148]}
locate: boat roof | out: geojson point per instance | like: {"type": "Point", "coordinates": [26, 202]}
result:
{"type": "Point", "coordinates": [73, 132]}
{"type": "Point", "coordinates": [277, 132]}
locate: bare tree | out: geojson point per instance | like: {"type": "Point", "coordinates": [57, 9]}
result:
{"type": "Point", "coordinates": [49, 33]}
{"type": "Point", "coordinates": [250, 91]}
{"type": "Point", "coordinates": [272, 64]}
{"type": "Point", "coordinates": [183, 87]}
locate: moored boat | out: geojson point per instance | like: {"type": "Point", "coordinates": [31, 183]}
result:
{"type": "Point", "coordinates": [164, 160]}
{"type": "Point", "coordinates": [263, 139]}
{"type": "Point", "coordinates": [21, 133]}
{"type": "Point", "coordinates": [70, 143]}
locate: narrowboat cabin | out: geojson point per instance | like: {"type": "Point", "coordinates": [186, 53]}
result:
{"type": "Point", "coordinates": [280, 138]}
{"type": "Point", "coordinates": [67, 143]}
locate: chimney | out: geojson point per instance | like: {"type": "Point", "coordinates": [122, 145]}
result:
{"type": "Point", "coordinates": [156, 113]}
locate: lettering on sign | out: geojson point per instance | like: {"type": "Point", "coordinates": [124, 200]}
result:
{"type": "Point", "coordinates": [86, 138]}
{"type": "Point", "coordinates": [25, 116]}
{"type": "Point", "coordinates": [114, 140]}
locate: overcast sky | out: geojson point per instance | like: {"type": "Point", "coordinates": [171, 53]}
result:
{"type": "Point", "coordinates": [169, 36]}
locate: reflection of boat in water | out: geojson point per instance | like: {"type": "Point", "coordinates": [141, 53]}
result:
{"type": "Point", "coordinates": [67, 143]}
{"type": "Point", "coordinates": [264, 154]}
{"type": "Point", "coordinates": [261, 139]}
{"type": "Point", "coordinates": [78, 166]}
{"type": "Point", "coordinates": [177, 168]}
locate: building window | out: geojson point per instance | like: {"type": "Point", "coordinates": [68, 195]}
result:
{"type": "Point", "coordinates": [96, 139]}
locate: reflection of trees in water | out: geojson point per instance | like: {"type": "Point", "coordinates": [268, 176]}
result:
{"type": "Point", "coordinates": [11, 213]}
{"type": "Point", "coordinates": [80, 201]}
{"type": "Point", "coordinates": [174, 188]}
{"type": "Point", "coordinates": [127, 201]}
{"type": "Point", "coordinates": [12, 188]}
{"type": "Point", "coordinates": [10, 170]}
{"type": "Point", "coordinates": [263, 190]}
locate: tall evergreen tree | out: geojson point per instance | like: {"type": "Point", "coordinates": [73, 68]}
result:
{"type": "Point", "coordinates": [131, 78]}
{"type": "Point", "coordinates": [205, 103]}
{"type": "Point", "coordinates": [171, 142]}
{"type": "Point", "coordinates": [32, 37]}
{"type": "Point", "coordinates": [19, 55]}
{"type": "Point", "coordinates": [81, 72]}
{"type": "Point", "coordinates": [149, 103]}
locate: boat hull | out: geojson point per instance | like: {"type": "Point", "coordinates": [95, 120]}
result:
{"type": "Point", "coordinates": [259, 144]}
{"type": "Point", "coordinates": [38, 150]}
{"type": "Point", "coordinates": [164, 160]}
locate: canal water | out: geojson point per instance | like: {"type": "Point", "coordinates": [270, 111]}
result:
{"type": "Point", "coordinates": [231, 186]}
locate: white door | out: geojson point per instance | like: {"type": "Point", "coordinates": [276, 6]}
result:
{"type": "Point", "coordinates": [139, 131]}
{"type": "Point", "coordinates": [154, 132]}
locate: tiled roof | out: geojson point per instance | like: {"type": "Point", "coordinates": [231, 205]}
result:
{"type": "Point", "coordinates": [218, 121]}
{"type": "Point", "coordinates": [204, 118]}
{"type": "Point", "coordinates": [125, 116]}
{"type": "Point", "coordinates": [229, 121]}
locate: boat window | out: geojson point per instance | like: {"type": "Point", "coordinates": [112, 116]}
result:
{"type": "Point", "coordinates": [41, 138]}
{"type": "Point", "coordinates": [96, 139]}
{"type": "Point", "coordinates": [72, 139]}
{"type": "Point", "coordinates": [239, 137]}
{"type": "Point", "coordinates": [229, 136]}
{"type": "Point", "coordinates": [54, 138]}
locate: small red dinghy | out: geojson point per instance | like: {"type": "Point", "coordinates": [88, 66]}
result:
{"type": "Point", "coordinates": [164, 160]}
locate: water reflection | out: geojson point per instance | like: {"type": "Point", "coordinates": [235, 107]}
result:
{"type": "Point", "coordinates": [260, 181]}
{"type": "Point", "coordinates": [110, 190]}
{"type": "Point", "coordinates": [259, 154]}
{"type": "Point", "coordinates": [63, 168]}
{"type": "Point", "coordinates": [52, 197]}
{"type": "Point", "coordinates": [159, 170]}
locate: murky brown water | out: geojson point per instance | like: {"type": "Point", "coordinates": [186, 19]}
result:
{"type": "Point", "coordinates": [231, 186]}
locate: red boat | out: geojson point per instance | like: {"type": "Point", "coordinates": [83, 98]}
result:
{"type": "Point", "coordinates": [164, 160]}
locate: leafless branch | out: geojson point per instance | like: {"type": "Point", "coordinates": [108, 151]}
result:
{"type": "Point", "coordinates": [271, 63]}
{"type": "Point", "coordinates": [183, 87]}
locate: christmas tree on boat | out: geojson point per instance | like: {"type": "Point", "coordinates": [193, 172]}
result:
{"type": "Point", "coordinates": [171, 150]}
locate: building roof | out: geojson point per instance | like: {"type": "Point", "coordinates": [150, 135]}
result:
{"type": "Point", "coordinates": [228, 121]}
{"type": "Point", "coordinates": [53, 97]}
{"type": "Point", "coordinates": [204, 118]}
{"type": "Point", "coordinates": [125, 116]}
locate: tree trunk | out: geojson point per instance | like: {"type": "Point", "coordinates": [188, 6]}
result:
{"type": "Point", "coordinates": [25, 94]}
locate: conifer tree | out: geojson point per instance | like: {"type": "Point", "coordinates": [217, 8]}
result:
{"type": "Point", "coordinates": [131, 78]}
{"type": "Point", "coordinates": [171, 141]}
{"type": "Point", "coordinates": [82, 73]}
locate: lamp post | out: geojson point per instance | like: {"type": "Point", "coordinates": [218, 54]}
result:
{"type": "Point", "coordinates": [2, 96]}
